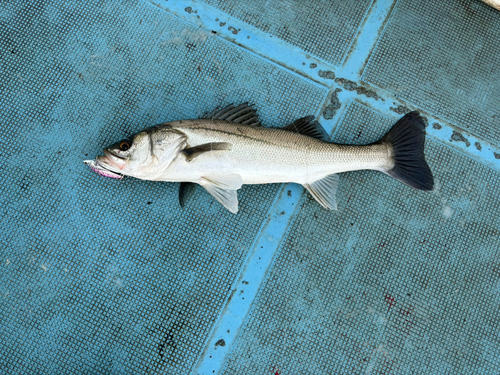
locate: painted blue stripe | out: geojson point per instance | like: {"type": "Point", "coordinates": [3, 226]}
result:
{"type": "Point", "coordinates": [250, 280]}
{"type": "Point", "coordinates": [366, 39]}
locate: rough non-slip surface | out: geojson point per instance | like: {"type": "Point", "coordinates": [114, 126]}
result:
{"type": "Point", "coordinates": [387, 284]}
{"type": "Point", "coordinates": [322, 28]}
{"type": "Point", "coordinates": [113, 277]}
{"type": "Point", "coordinates": [105, 276]}
{"type": "Point", "coordinates": [443, 57]}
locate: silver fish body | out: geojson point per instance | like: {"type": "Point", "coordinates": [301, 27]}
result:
{"type": "Point", "coordinates": [264, 155]}
{"type": "Point", "coordinates": [229, 148]}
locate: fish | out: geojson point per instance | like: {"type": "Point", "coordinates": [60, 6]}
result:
{"type": "Point", "coordinates": [493, 3]}
{"type": "Point", "coordinates": [228, 148]}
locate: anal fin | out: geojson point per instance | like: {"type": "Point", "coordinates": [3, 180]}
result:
{"type": "Point", "coordinates": [324, 191]}
{"type": "Point", "coordinates": [224, 189]}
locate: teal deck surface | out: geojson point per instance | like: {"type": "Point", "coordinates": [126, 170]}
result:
{"type": "Point", "coordinates": [99, 276]}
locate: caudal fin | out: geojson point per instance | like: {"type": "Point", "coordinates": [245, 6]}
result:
{"type": "Point", "coordinates": [407, 138]}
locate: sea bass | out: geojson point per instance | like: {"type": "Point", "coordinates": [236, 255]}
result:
{"type": "Point", "coordinates": [229, 148]}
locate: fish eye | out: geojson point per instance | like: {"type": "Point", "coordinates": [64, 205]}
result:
{"type": "Point", "coordinates": [125, 145]}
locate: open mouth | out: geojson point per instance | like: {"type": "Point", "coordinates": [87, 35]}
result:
{"type": "Point", "coordinates": [100, 169]}
{"type": "Point", "coordinates": [112, 160]}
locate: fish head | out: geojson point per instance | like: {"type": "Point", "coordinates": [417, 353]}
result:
{"type": "Point", "coordinates": [144, 154]}
{"type": "Point", "coordinates": [126, 156]}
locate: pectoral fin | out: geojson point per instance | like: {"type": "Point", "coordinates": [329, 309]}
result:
{"type": "Point", "coordinates": [324, 191]}
{"type": "Point", "coordinates": [195, 151]}
{"type": "Point", "coordinates": [224, 189]}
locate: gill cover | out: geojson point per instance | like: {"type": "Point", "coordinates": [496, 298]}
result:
{"type": "Point", "coordinates": [147, 154]}
{"type": "Point", "coordinates": [165, 144]}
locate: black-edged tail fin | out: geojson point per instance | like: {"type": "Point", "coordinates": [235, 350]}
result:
{"type": "Point", "coordinates": [407, 138]}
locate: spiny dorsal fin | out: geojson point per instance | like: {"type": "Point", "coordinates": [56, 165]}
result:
{"type": "Point", "coordinates": [324, 191]}
{"type": "Point", "coordinates": [224, 189]}
{"type": "Point", "coordinates": [243, 114]}
{"type": "Point", "coordinates": [310, 127]}
{"type": "Point", "coordinates": [195, 151]}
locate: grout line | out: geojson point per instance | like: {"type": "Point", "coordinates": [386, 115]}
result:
{"type": "Point", "coordinates": [249, 282]}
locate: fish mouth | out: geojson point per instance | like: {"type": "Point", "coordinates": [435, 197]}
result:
{"type": "Point", "coordinates": [110, 164]}
{"type": "Point", "coordinates": [101, 169]}
{"type": "Point", "coordinates": [112, 159]}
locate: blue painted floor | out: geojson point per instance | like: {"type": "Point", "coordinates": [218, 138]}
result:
{"type": "Point", "coordinates": [99, 276]}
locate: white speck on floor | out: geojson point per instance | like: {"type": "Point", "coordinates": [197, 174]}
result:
{"type": "Point", "coordinates": [447, 212]}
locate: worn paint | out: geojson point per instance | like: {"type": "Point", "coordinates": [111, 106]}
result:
{"type": "Point", "coordinates": [400, 109]}
{"type": "Point", "coordinates": [360, 89]}
{"type": "Point", "coordinates": [458, 137]}
{"type": "Point", "coordinates": [220, 342]}
{"type": "Point", "coordinates": [328, 74]}
{"type": "Point", "coordinates": [333, 106]}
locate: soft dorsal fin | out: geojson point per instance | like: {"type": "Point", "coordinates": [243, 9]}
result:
{"type": "Point", "coordinates": [310, 127]}
{"type": "Point", "coordinates": [324, 191]}
{"type": "Point", "coordinates": [243, 114]}
{"type": "Point", "coordinates": [224, 189]}
{"type": "Point", "coordinates": [195, 151]}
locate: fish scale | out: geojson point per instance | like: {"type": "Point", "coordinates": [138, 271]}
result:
{"type": "Point", "coordinates": [268, 155]}
{"type": "Point", "coordinates": [228, 148]}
